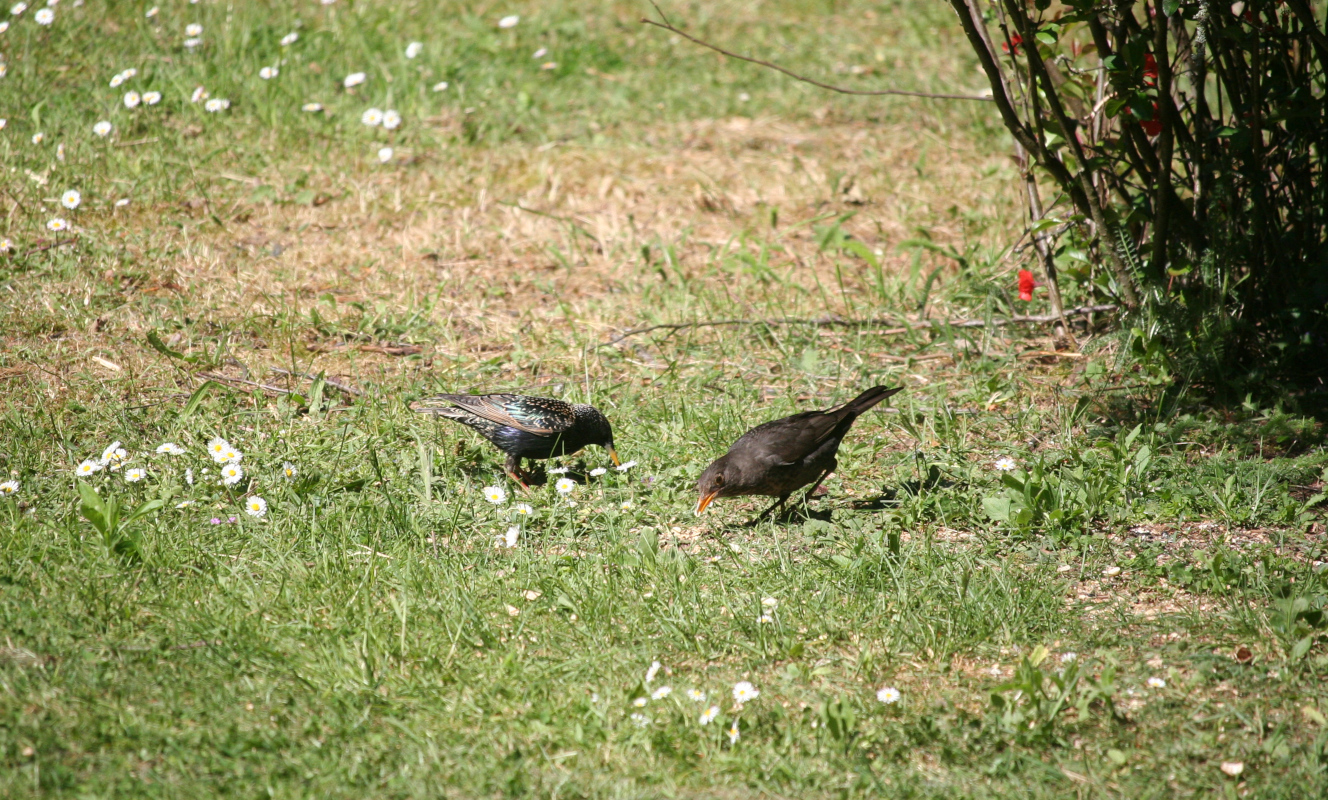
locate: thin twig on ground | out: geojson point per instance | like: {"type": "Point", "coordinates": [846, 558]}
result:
{"type": "Point", "coordinates": [226, 379]}
{"type": "Point", "coordinates": [49, 245]}
{"type": "Point", "coordinates": [668, 26]}
{"type": "Point", "coordinates": [351, 390]}
{"type": "Point", "coordinates": [896, 326]}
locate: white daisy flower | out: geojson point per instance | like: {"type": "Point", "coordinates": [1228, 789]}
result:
{"type": "Point", "coordinates": [743, 691]}
{"type": "Point", "coordinates": [102, 128]}
{"type": "Point", "coordinates": [18, 8]}
{"type": "Point", "coordinates": [733, 733]}
{"type": "Point", "coordinates": [626, 505]}
{"type": "Point", "coordinates": [170, 449]}
{"type": "Point", "coordinates": [495, 494]}
{"type": "Point", "coordinates": [697, 695]}
{"type": "Point", "coordinates": [354, 79]}
{"type": "Point", "coordinates": [391, 119]}
{"type": "Point", "coordinates": [87, 468]}
{"type": "Point", "coordinates": [888, 695]}
{"type": "Point", "coordinates": [509, 539]}
{"type": "Point", "coordinates": [216, 104]}
{"type": "Point", "coordinates": [289, 470]}
{"type": "Point", "coordinates": [384, 155]}
{"type": "Point", "coordinates": [440, 86]}
{"type": "Point", "coordinates": [44, 16]}
{"type": "Point", "coordinates": [110, 454]}
{"type": "Point", "coordinates": [135, 474]}
{"type": "Point", "coordinates": [523, 509]}
{"type": "Point", "coordinates": [38, 137]}
{"type": "Point", "coordinates": [640, 702]}
{"type": "Point", "coordinates": [217, 447]}
{"type": "Point", "coordinates": [8, 488]}
{"type": "Point", "coordinates": [661, 693]}
{"type": "Point", "coordinates": [4, 26]}
{"type": "Point", "coordinates": [640, 719]}
{"type": "Point", "coordinates": [1004, 464]}
{"type": "Point", "coordinates": [565, 485]}
{"type": "Point", "coordinates": [765, 619]}
{"type": "Point", "coordinates": [132, 99]}
{"type": "Point", "coordinates": [152, 12]}
{"type": "Point", "coordinates": [231, 474]}
{"type": "Point", "coordinates": [413, 49]}
{"type": "Point", "coordinates": [199, 94]}
{"type": "Point", "coordinates": [626, 466]}
{"type": "Point", "coordinates": [1156, 683]}
{"type": "Point", "coordinates": [541, 53]}
{"type": "Point", "coordinates": [558, 471]}
{"type": "Point", "coordinates": [71, 199]}
{"type": "Point", "coordinates": [372, 117]}
{"type": "Point", "coordinates": [268, 73]}
{"type": "Point", "coordinates": [57, 225]}
{"type": "Point", "coordinates": [311, 107]}
{"type": "Point", "coordinates": [151, 98]}
{"type": "Point", "coordinates": [709, 715]}
{"type": "Point", "coordinates": [509, 21]}
{"type": "Point", "coordinates": [192, 43]}
{"type": "Point", "coordinates": [193, 29]}
{"type": "Point", "coordinates": [129, 73]}
{"type": "Point", "coordinates": [255, 506]}
{"type": "Point", "coordinates": [184, 504]}
{"type": "Point", "coordinates": [289, 39]}
{"type": "Point", "coordinates": [653, 671]}
{"type": "Point", "coordinates": [6, 245]}
{"type": "Point", "coordinates": [117, 79]}
{"type": "Point", "coordinates": [597, 471]}
{"type": "Point", "coordinates": [232, 456]}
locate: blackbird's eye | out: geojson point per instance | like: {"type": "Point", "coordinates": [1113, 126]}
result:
{"type": "Point", "coordinates": [719, 479]}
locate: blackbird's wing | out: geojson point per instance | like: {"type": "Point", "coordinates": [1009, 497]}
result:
{"type": "Point", "coordinates": [791, 439]}
{"type": "Point", "coordinates": [540, 416]}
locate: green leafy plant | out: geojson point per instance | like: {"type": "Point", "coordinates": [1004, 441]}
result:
{"type": "Point", "coordinates": [1029, 706]}
{"type": "Point", "coordinates": [105, 514]}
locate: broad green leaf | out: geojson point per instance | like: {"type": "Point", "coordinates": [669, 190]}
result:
{"type": "Point", "coordinates": [998, 508]}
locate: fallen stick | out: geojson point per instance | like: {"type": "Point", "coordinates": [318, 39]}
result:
{"type": "Point", "coordinates": [351, 390]}
{"type": "Point", "coordinates": [893, 325]}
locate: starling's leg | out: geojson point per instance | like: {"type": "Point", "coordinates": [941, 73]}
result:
{"type": "Point", "coordinates": [766, 513]}
{"type": "Point", "coordinates": [512, 466]}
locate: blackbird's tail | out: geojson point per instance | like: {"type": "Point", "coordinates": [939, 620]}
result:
{"type": "Point", "coordinates": [866, 400]}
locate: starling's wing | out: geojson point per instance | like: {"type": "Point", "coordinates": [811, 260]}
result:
{"type": "Point", "coordinates": [541, 416]}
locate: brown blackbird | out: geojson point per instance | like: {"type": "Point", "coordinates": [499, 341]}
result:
{"type": "Point", "coordinates": [525, 427]}
{"type": "Point", "coordinates": [780, 457]}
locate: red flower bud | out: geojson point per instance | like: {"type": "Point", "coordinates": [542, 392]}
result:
{"type": "Point", "coordinates": [1012, 46]}
{"type": "Point", "coordinates": [1026, 284]}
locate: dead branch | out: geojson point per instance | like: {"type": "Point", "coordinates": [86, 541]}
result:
{"type": "Point", "coordinates": [351, 390]}
{"type": "Point", "coordinates": [892, 325]}
{"type": "Point", "coordinates": [226, 379]}
{"type": "Point", "coordinates": [49, 245]}
{"type": "Point", "coordinates": [668, 26]}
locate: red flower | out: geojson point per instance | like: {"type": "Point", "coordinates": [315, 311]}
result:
{"type": "Point", "coordinates": [1152, 126]}
{"type": "Point", "coordinates": [1026, 284]}
{"type": "Point", "coordinates": [1150, 70]}
{"type": "Point", "coordinates": [1012, 46]}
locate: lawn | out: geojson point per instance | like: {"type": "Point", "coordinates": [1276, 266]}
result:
{"type": "Point", "coordinates": [1035, 573]}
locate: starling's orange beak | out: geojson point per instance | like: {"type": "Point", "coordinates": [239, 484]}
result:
{"type": "Point", "coordinates": [705, 500]}
{"type": "Point", "coordinates": [613, 456]}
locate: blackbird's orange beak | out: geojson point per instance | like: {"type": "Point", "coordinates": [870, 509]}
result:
{"type": "Point", "coordinates": [705, 500]}
{"type": "Point", "coordinates": [613, 456]}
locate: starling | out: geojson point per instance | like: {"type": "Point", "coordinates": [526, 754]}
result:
{"type": "Point", "coordinates": [780, 457]}
{"type": "Point", "coordinates": [525, 427]}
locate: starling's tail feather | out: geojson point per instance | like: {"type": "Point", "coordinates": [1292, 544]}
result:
{"type": "Point", "coordinates": [869, 398]}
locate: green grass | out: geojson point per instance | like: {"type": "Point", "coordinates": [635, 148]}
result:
{"type": "Point", "coordinates": [367, 636]}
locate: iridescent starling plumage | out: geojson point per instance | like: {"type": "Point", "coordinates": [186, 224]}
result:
{"type": "Point", "coordinates": [525, 427]}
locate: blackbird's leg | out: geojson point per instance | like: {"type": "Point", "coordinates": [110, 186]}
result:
{"type": "Point", "coordinates": [766, 513]}
{"type": "Point", "coordinates": [806, 498]}
{"type": "Point", "coordinates": [512, 466]}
